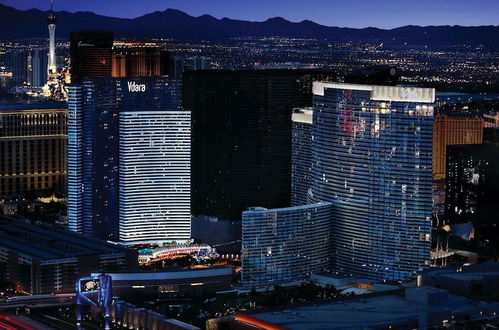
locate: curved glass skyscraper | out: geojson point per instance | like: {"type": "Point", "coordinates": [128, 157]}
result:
{"type": "Point", "coordinates": [372, 158]}
{"type": "Point", "coordinates": [286, 244]}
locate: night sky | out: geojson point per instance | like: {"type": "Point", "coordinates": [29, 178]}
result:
{"type": "Point", "coordinates": [349, 13]}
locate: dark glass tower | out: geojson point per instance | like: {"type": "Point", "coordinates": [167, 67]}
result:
{"type": "Point", "coordinates": [241, 137]}
{"type": "Point", "coordinates": [472, 187]}
{"type": "Point", "coordinates": [39, 67]}
{"type": "Point", "coordinates": [17, 62]}
{"type": "Point", "coordinates": [91, 55]}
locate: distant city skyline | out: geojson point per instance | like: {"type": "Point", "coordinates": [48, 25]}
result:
{"type": "Point", "coordinates": [354, 13]}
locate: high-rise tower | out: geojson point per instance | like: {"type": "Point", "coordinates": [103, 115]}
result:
{"type": "Point", "coordinates": [129, 160]}
{"type": "Point", "coordinates": [91, 55]}
{"type": "Point", "coordinates": [241, 137]}
{"type": "Point", "coordinates": [372, 158]}
{"type": "Point", "coordinates": [51, 19]}
{"type": "Point", "coordinates": [453, 129]}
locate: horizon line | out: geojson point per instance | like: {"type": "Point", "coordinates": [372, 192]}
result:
{"type": "Point", "coordinates": [250, 21]}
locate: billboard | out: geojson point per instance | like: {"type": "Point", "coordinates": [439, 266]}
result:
{"type": "Point", "coordinates": [89, 285]}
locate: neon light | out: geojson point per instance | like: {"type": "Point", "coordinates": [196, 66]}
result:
{"type": "Point", "coordinates": [250, 320]}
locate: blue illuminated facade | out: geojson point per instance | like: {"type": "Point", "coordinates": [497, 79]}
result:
{"type": "Point", "coordinates": [301, 155]}
{"type": "Point", "coordinates": [102, 112]}
{"type": "Point", "coordinates": [286, 244]}
{"type": "Point", "coordinates": [372, 158]}
{"type": "Point", "coordinates": [155, 176]}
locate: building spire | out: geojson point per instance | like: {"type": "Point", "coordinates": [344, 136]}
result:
{"type": "Point", "coordinates": [51, 18]}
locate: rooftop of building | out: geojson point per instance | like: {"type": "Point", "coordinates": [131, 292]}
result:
{"type": "Point", "coordinates": [373, 311]}
{"type": "Point", "coordinates": [303, 115]}
{"type": "Point", "coordinates": [451, 114]}
{"type": "Point", "coordinates": [466, 272]}
{"type": "Point", "coordinates": [45, 242]}
{"type": "Point", "coordinates": [467, 148]}
{"type": "Point", "coordinates": [33, 106]}
{"type": "Point", "coordinates": [134, 44]}
{"type": "Point", "coordinates": [170, 274]}
{"type": "Point", "coordinates": [260, 209]}
{"type": "Point", "coordinates": [381, 92]}
{"type": "Point", "coordinates": [308, 110]}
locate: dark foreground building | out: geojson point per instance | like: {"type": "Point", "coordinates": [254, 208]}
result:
{"type": "Point", "coordinates": [472, 187]}
{"type": "Point", "coordinates": [225, 235]}
{"type": "Point", "coordinates": [411, 308]}
{"type": "Point", "coordinates": [241, 137]}
{"type": "Point", "coordinates": [134, 317]}
{"type": "Point", "coordinates": [180, 281]}
{"type": "Point", "coordinates": [43, 259]}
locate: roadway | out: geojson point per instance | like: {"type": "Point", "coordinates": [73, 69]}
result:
{"type": "Point", "coordinates": [37, 301]}
{"type": "Point", "coordinates": [11, 322]}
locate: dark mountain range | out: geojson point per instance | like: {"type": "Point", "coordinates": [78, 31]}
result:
{"type": "Point", "coordinates": [16, 24]}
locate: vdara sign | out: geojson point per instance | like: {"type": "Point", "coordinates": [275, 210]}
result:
{"type": "Point", "coordinates": [133, 87]}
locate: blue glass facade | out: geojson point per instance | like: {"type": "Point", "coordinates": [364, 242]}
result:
{"type": "Point", "coordinates": [301, 155]}
{"type": "Point", "coordinates": [287, 244]}
{"type": "Point", "coordinates": [75, 162]}
{"type": "Point", "coordinates": [94, 145]}
{"type": "Point", "coordinates": [372, 158]}
{"type": "Point", "coordinates": [154, 179]}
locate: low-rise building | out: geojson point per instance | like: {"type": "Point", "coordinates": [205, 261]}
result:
{"type": "Point", "coordinates": [286, 244]}
{"type": "Point", "coordinates": [412, 308]}
{"type": "Point", "coordinates": [479, 281]}
{"type": "Point", "coordinates": [130, 316]}
{"type": "Point", "coordinates": [43, 259]}
{"type": "Point", "coordinates": [194, 280]}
